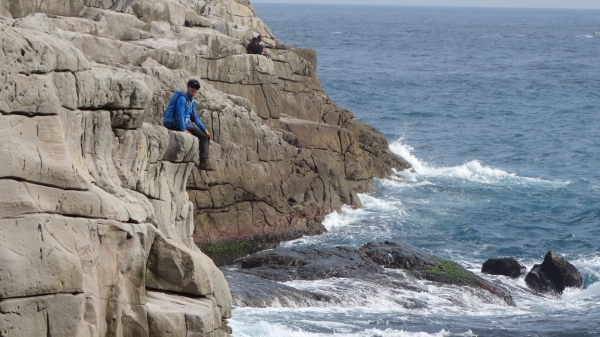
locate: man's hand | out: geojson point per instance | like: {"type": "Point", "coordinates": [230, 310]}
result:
{"type": "Point", "coordinates": [207, 133]}
{"type": "Point", "coordinates": [186, 131]}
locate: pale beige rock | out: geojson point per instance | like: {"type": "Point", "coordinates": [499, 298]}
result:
{"type": "Point", "coordinates": [176, 13]}
{"type": "Point", "coordinates": [103, 260]}
{"type": "Point", "coordinates": [101, 50]}
{"type": "Point", "coordinates": [65, 89]}
{"type": "Point", "coordinates": [39, 262]}
{"type": "Point", "coordinates": [159, 29]}
{"type": "Point", "coordinates": [28, 94]}
{"type": "Point", "coordinates": [113, 88]}
{"type": "Point", "coordinates": [50, 315]}
{"type": "Point", "coordinates": [45, 158]}
{"type": "Point", "coordinates": [26, 52]}
{"type": "Point", "coordinates": [178, 269]}
{"type": "Point", "coordinates": [177, 316]}
{"type": "Point", "coordinates": [81, 25]}
{"type": "Point", "coordinates": [120, 26]}
{"type": "Point", "coordinates": [95, 203]}
{"type": "Point", "coordinates": [197, 20]}
{"type": "Point", "coordinates": [243, 69]}
{"type": "Point", "coordinates": [59, 7]}
{"type": "Point", "coordinates": [149, 11]}
{"type": "Point", "coordinates": [135, 321]}
{"type": "Point", "coordinates": [36, 21]}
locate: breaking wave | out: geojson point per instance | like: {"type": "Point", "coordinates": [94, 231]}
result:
{"type": "Point", "coordinates": [472, 171]}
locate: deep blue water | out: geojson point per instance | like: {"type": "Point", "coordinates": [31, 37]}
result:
{"type": "Point", "coordinates": [498, 111]}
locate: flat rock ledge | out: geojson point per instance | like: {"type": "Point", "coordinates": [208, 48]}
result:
{"type": "Point", "coordinates": [368, 262]}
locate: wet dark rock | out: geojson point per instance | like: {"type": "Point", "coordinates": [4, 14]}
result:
{"type": "Point", "coordinates": [399, 255]}
{"type": "Point", "coordinates": [252, 291]}
{"type": "Point", "coordinates": [553, 275]}
{"type": "Point", "coordinates": [286, 264]}
{"type": "Point", "coordinates": [507, 266]}
{"type": "Point", "coordinates": [538, 281]}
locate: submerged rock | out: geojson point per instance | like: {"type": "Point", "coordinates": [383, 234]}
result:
{"type": "Point", "coordinates": [286, 264]}
{"type": "Point", "coordinates": [507, 266]}
{"type": "Point", "coordinates": [553, 275]}
{"type": "Point", "coordinates": [252, 291]}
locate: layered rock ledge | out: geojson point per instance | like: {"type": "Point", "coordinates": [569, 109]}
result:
{"type": "Point", "coordinates": [102, 209]}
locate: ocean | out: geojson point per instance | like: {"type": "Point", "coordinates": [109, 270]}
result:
{"type": "Point", "coordinates": [498, 111]}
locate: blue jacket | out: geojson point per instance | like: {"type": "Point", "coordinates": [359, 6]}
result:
{"type": "Point", "coordinates": [181, 112]}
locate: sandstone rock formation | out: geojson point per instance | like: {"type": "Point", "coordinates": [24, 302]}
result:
{"type": "Point", "coordinates": [553, 275]}
{"type": "Point", "coordinates": [102, 209]}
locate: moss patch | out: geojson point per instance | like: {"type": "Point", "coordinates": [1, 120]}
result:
{"type": "Point", "coordinates": [228, 247]}
{"type": "Point", "coordinates": [449, 272]}
{"type": "Point", "coordinates": [227, 252]}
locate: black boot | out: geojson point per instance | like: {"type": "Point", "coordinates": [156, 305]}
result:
{"type": "Point", "coordinates": [206, 166]}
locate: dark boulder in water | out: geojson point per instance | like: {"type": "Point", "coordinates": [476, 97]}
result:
{"type": "Point", "coordinates": [507, 266]}
{"type": "Point", "coordinates": [286, 264]}
{"type": "Point", "coordinates": [553, 275]}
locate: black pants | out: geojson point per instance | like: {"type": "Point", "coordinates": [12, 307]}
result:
{"type": "Point", "coordinates": [202, 139]}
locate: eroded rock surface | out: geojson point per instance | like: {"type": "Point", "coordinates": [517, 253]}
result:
{"type": "Point", "coordinates": [102, 209]}
{"type": "Point", "coordinates": [91, 191]}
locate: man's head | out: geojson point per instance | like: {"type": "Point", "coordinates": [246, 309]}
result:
{"type": "Point", "coordinates": [193, 86]}
{"type": "Point", "coordinates": [259, 38]}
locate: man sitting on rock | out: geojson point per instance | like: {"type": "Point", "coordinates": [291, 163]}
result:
{"type": "Point", "coordinates": [255, 47]}
{"type": "Point", "coordinates": [181, 116]}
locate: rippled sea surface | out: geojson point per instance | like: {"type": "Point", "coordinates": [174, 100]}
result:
{"type": "Point", "coordinates": [498, 110]}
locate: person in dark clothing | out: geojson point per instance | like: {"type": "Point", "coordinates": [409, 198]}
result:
{"type": "Point", "coordinates": [181, 116]}
{"type": "Point", "coordinates": [255, 47]}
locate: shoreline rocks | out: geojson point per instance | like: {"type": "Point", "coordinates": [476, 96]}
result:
{"type": "Point", "coordinates": [507, 266]}
{"type": "Point", "coordinates": [287, 264]}
{"type": "Point", "coordinates": [553, 275]}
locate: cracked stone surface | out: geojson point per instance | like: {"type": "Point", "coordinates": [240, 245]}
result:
{"type": "Point", "coordinates": [102, 209]}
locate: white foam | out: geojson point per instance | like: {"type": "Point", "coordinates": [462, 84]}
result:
{"type": "Point", "coordinates": [357, 297]}
{"type": "Point", "coordinates": [472, 171]}
{"type": "Point", "coordinates": [347, 217]}
{"type": "Point", "coordinates": [577, 294]}
{"type": "Point", "coordinates": [405, 151]}
{"type": "Point", "coordinates": [586, 36]}
{"type": "Point", "coordinates": [375, 204]}
{"type": "Point", "coordinates": [267, 329]}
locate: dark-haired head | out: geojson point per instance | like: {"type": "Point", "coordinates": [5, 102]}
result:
{"type": "Point", "coordinates": [194, 84]}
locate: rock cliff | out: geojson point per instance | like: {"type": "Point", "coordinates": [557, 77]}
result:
{"type": "Point", "coordinates": [102, 209]}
